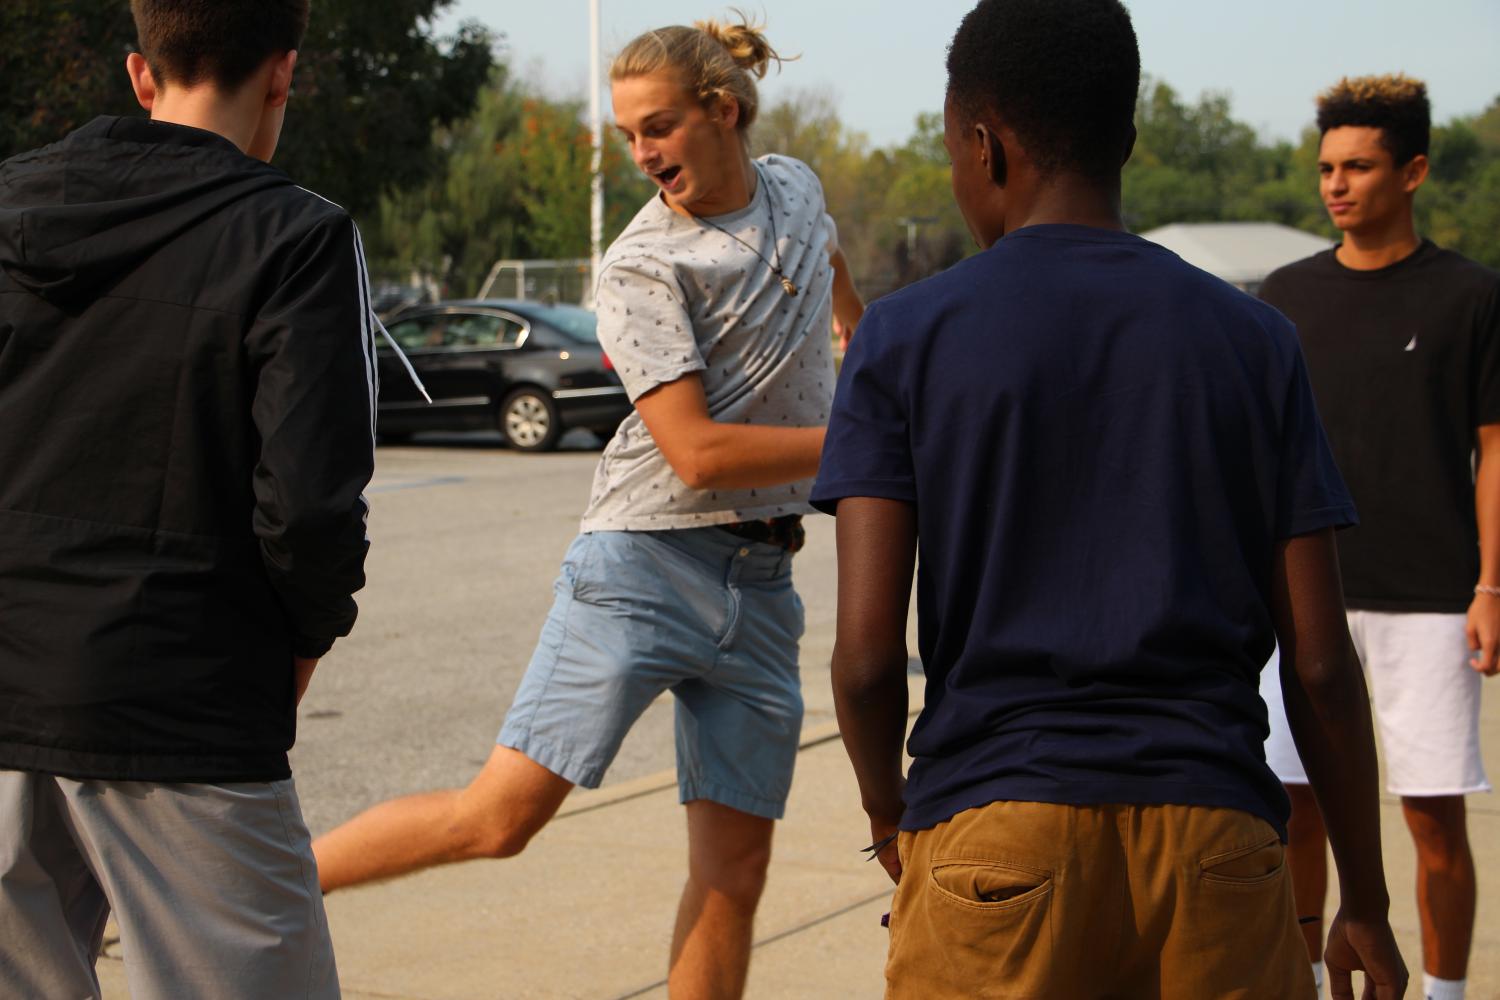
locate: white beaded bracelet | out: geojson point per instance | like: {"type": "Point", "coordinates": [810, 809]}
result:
{"type": "Point", "coordinates": [1480, 588]}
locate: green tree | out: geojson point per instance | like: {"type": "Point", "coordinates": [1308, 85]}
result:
{"type": "Point", "coordinates": [923, 231]}
{"type": "Point", "coordinates": [1190, 161]}
{"type": "Point", "coordinates": [1459, 205]}
{"type": "Point", "coordinates": [370, 84]}
{"type": "Point", "coordinates": [514, 183]}
{"type": "Point", "coordinates": [871, 194]}
{"type": "Point", "coordinates": [805, 125]}
{"type": "Point", "coordinates": [64, 63]}
{"type": "Point", "coordinates": [1486, 127]}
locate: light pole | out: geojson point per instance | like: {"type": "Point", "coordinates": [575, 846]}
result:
{"type": "Point", "coordinates": [596, 161]}
{"type": "Point", "coordinates": [911, 222]}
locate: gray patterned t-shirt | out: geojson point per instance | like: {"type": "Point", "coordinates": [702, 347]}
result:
{"type": "Point", "coordinates": [677, 296]}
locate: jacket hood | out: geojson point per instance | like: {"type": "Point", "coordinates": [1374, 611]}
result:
{"type": "Point", "coordinates": [79, 213]}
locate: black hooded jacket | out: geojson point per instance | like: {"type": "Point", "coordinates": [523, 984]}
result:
{"type": "Point", "coordinates": [186, 428]}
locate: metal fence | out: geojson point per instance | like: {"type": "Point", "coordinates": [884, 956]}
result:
{"type": "Point", "coordinates": [559, 281]}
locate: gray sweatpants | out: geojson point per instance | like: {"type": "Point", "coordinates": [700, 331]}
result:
{"type": "Point", "coordinates": [213, 886]}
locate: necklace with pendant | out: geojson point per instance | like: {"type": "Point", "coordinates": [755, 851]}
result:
{"type": "Point", "coordinates": [787, 284]}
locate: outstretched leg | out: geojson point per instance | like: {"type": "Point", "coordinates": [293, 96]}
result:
{"type": "Point", "coordinates": [505, 805]}
{"type": "Point", "coordinates": [1446, 887]}
{"type": "Point", "coordinates": [728, 853]}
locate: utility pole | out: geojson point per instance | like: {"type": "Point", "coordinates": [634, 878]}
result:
{"type": "Point", "coordinates": [911, 223]}
{"type": "Point", "coordinates": [596, 163]}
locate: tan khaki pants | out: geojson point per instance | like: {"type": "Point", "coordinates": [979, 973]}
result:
{"type": "Point", "coordinates": [1034, 900]}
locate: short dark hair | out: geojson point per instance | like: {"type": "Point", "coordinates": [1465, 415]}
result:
{"type": "Point", "coordinates": [1062, 73]}
{"type": "Point", "coordinates": [1394, 103]}
{"type": "Point", "coordinates": [188, 42]}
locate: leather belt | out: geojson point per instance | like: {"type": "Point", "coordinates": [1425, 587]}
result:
{"type": "Point", "coordinates": [786, 532]}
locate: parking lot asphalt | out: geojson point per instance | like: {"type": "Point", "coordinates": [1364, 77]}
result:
{"type": "Point", "coordinates": [466, 540]}
{"type": "Point", "coordinates": [467, 537]}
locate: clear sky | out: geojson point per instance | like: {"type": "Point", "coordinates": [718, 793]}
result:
{"type": "Point", "coordinates": [882, 60]}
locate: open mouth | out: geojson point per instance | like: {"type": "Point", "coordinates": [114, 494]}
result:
{"type": "Point", "coordinates": [667, 177]}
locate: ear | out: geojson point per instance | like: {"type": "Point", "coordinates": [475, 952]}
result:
{"type": "Point", "coordinates": [280, 84]}
{"type": "Point", "coordinates": [1129, 144]}
{"type": "Point", "coordinates": [141, 80]}
{"type": "Point", "coordinates": [726, 110]}
{"type": "Point", "coordinates": [276, 79]}
{"type": "Point", "coordinates": [992, 154]}
{"type": "Point", "coordinates": [1415, 172]}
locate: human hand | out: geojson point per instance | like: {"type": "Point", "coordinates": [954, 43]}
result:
{"type": "Point", "coordinates": [1369, 945]}
{"type": "Point", "coordinates": [1483, 629]}
{"type": "Point", "coordinates": [302, 671]}
{"type": "Point", "coordinates": [883, 834]}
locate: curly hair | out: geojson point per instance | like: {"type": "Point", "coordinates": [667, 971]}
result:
{"type": "Point", "coordinates": [223, 42]}
{"type": "Point", "coordinates": [1394, 103]}
{"type": "Point", "coordinates": [713, 60]}
{"type": "Point", "coordinates": [1062, 73]}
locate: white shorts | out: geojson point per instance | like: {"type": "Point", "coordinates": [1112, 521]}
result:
{"type": "Point", "coordinates": [1426, 704]}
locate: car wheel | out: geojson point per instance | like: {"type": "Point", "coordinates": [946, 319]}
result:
{"type": "Point", "coordinates": [528, 420]}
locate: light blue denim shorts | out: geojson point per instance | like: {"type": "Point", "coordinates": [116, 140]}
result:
{"type": "Point", "coordinates": [699, 612]}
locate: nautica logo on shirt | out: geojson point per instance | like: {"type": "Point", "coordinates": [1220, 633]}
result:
{"type": "Point", "coordinates": [1412, 344]}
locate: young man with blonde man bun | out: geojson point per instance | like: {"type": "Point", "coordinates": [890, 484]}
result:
{"type": "Point", "coordinates": [1402, 340]}
{"type": "Point", "coordinates": [714, 305]}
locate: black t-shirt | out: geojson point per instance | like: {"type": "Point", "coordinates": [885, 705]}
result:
{"type": "Point", "coordinates": [1405, 364]}
{"type": "Point", "coordinates": [1103, 445]}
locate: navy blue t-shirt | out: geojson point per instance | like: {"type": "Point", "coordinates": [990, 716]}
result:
{"type": "Point", "coordinates": [1103, 445]}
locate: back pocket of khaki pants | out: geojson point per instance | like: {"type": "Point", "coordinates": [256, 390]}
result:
{"type": "Point", "coordinates": [989, 885]}
{"type": "Point", "coordinates": [1254, 865]}
{"type": "Point", "coordinates": [993, 922]}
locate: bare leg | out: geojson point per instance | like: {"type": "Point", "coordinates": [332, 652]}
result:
{"type": "Point", "coordinates": [728, 853]}
{"type": "Point", "coordinates": [1446, 885]}
{"type": "Point", "coordinates": [1307, 854]}
{"type": "Point", "coordinates": [495, 817]}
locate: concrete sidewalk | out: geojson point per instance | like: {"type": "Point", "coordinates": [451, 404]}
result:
{"type": "Point", "coordinates": [587, 911]}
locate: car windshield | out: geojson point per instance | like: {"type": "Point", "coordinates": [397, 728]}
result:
{"type": "Point", "coordinates": [572, 321]}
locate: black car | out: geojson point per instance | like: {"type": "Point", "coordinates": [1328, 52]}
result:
{"type": "Point", "coordinates": [531, 370]}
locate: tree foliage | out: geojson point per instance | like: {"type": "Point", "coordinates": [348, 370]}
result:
{"type": "Point", "coordinates": [371, 82]}
{"type": "Point", "coordinates": [451, 164]}
{"type": "Point", "coordinates": [370, 86]}
{"type": "Point", "coordinates": [63, 63]}
{"type": "Point", "coordinates": [1195, 163]}
{"type": "Point", "coordinates": [893, 207]}
{"type": "Point", "coordinates": [1459, 206]}
{"type": "Point", "coordinates": [514, 183]}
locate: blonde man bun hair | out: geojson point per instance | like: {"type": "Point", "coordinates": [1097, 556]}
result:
{"type": "Point", "coordinates": [745, 42]}
{"type": "Point", "coordinates": [713, 59]}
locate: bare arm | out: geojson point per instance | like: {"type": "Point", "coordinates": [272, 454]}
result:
{"type": "Point", "coordinates": [1484, 611]}
{"type": "Point", "coordinates": [1329, 713]}
{"type": "Point", "coordinates": [707, 454]}
{"type": "Point", "coordinates": [877, 547]}
{"type": "Point", "coordinates": [848, 307]}
{"type": "Point", "coordinates": [302, 672]}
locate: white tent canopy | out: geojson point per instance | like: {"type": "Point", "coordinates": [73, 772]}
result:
{"type": "Point", "coordinates": [1242, 253]}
